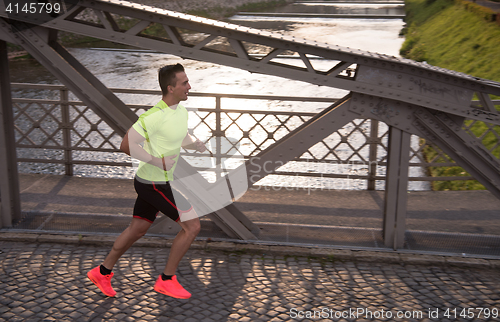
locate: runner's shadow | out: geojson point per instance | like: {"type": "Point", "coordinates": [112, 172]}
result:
{"type": "Point", "coordinates": [214, 282]}
{"type": "Point", "coordinates": [103, 306]}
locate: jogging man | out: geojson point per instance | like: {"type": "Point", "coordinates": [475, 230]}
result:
{"type": "Point", "coordinates": [156, 139]}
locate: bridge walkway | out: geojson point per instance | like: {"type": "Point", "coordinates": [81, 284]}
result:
{"type": "Point", "coordinates": [46, 281]}
{"type": "Point", "coordinates": [332, 218]}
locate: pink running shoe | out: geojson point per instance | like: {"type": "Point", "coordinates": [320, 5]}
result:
{"type": "Point", "coordinates": [103, 282]}
{"type": "Point", "coordinates": [171, 288]}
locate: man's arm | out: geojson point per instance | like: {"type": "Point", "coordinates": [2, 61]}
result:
{"type": "Point", "coordinates": [190, 143]}
{"type": "Point", "coordinates": [131, 145]}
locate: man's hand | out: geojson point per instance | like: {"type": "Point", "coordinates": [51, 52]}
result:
{"type": "Point", "coordinates": [190, 143]}
{"type": "Point", "coordinates": [200, 146]}
{"type": "Point", "coordinates": [168, 162]}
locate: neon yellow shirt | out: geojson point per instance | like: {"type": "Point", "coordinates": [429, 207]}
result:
{"type": "Point", "coordinates": [164, 129]}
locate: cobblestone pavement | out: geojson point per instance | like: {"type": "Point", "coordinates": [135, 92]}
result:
{"type": "Point", "coordinates": [47, 282]}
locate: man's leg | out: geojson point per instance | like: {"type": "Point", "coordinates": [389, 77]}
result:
{"type": "Point", "coordinates": [136, 229]}
{"type": "Point", "coordinates": [167, 282]}
{"type": "Point", "coordinates": [181, 243]}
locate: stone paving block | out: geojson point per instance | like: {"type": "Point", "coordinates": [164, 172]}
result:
{"type": "Point", "coordinates": [372, 256]}
{"type": "Point", "coordinates": [334, 253]}
{"type": "Point", "coordinates": [422, 259]}
{"type": "Point", "coordinates": [467, 262]}
{"type": "Point", "coordinates": [290, 250]}
{"type": "Point", "coordinates": [252, 248]}
{"type": "Point", "coordinates": [66, 239]}
{"type": "Point", "coordinates": [98, 240]}
{"type": "Point", "coordinates": [198, 244]}
{"type": "Point", "coordinates": [19, 237]}
{"type": "Point", "coordinates": [227, 246]}
{"type": "Point", "coordinates": [494, 263]}
{"type": "Point", "coordinates": [150, 242]}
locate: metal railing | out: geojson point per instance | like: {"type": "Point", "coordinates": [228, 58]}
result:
{"type": "Point", "coordinates": [55, 129]}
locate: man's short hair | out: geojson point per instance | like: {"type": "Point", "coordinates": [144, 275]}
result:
{"type": "Point", "coordinates": [167, 76]}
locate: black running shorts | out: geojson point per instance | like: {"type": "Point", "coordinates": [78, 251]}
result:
{"type": "Point", "coordinates": [154, 197]}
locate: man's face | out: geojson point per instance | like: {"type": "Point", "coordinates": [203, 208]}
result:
{"type": "Point", "coordinates": [181, 89]}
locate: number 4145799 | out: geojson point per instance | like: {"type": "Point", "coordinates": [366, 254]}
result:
{"type": "Point", "coordinates": [471, 313]}
{"type": "Point", "coordinates": [33, 8]}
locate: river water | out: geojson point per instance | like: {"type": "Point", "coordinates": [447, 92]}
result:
{"type": "Point", "coordinates": [136, 69]}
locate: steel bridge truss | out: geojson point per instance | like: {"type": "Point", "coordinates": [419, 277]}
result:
{"type": "Point", "coordinates": [410, 97]}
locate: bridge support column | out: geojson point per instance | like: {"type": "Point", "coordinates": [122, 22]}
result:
{"type": "Point", "coordinates": [396, 188]}
{"type": "Point", "coordinates": [10, 202]}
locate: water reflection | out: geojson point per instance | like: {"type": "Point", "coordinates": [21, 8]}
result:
{"type": "Point", "coordinates": [341, 8]}
{"type": "Point", "coordinates": [131, 69]}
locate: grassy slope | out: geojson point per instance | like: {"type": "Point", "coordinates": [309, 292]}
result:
{"type": "Point", "coordinates": [445, 34]}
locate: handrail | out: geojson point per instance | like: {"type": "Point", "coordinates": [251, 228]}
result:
{"type": "Point", "coordinates": [198, 94]}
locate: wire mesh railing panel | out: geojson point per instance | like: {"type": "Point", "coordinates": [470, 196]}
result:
{"type": "Point", "coordinates": [356, 153]}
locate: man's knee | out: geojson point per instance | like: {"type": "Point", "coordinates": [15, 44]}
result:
{"type": "Point", "coordinates": [138, 229]}
{"type": "Point", "coordinates": [139, 233]}
{"type": "Point", "coordinates": [192, 227]}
